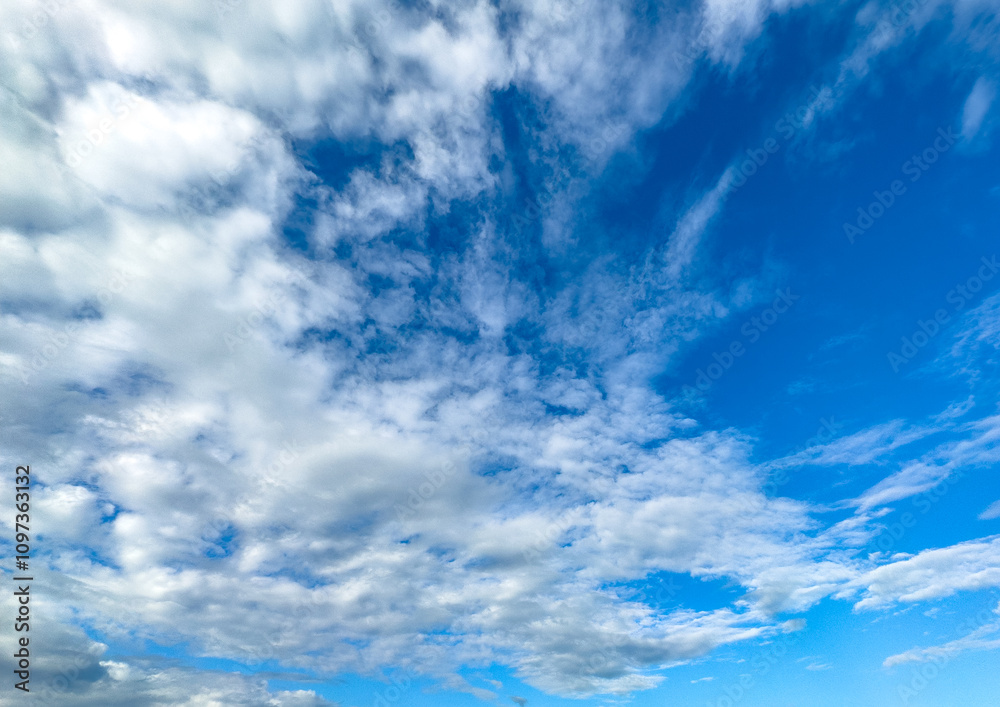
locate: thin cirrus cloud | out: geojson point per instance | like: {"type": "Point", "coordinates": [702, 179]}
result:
{"type": "Point", "coordinates": [976, 107]}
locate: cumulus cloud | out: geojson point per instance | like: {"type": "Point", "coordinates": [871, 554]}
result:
{"type": "Point", "coordinates": [67, 667]}
{"type": "Point", "coordinates": [977, 633]}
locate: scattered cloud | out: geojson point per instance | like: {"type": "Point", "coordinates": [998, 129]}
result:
{"type": "Point", "coordinates": [977, 106]}
{"type": "Point", "coordinates": [992, 511]}
{"type": "Point", "coordinates": [427, 434]}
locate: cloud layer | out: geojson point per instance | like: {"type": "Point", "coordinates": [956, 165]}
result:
{"type": "Point", "coordinates": [395, 445]}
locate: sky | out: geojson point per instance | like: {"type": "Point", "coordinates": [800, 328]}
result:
{"type": "Point", "coordinates": [537, 353]}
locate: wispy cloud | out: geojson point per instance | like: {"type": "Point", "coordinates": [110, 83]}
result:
{"type": "Point", "coordinates": [976, 107]}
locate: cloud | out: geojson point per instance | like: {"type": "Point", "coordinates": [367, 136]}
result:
{"type": "Point", "coordinates": [977, 106]}
{"type": "Point", "coordinates": [422, 455]}
{"type": "Point", "coordinates": [977, 635]}
{"type": "Point", "coordinates": [238, 420]}
{"type": "Point", "coordinates": [72, 669]}
{"type": "Point", "coordinates": [992, 511]}
{"type": "Point", "coordinates": [978, 340]}
{"type": "Point", "coordinates": [818, 666]}
{"type": "Point", "coordinates": [971, 443]}
{"type": "Point", "coordinates": [880, 28]}
{"type": "Point", "coordinates": [38, 192]}
{"type": "Point", "coordinates": [932, 574]}
{"type": "Point", "coordinates": [867, 446]}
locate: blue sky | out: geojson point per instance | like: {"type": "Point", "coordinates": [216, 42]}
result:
{"type": "Point", "coordinates": [538, 353]}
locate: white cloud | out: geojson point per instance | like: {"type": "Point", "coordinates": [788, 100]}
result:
{"type": "Point", "coordinates": [971, 443]}
{"type": "Point", "coordinates": [932, 574]}
{"type": "Point", "coordinates": [977, 633]}
{"type": "Point", "coordinates": [977, 106]}
{"type": "Point", "coordinates": [978, 340]}
{"type": "Point", "coordinates": [992, 511]}
{"type": "Point", "coordinates": [881, 28]}
{"type": "Point", "coordinates": [37, 191]}
{"type": "Point", "coordinates": [143, 151]}
{"type": "Point", "coordinates": [380, 466]}
{"type": "Point", "coordinates": [867, 446]}
{"type": "Point", "coordinates": [71, 669]}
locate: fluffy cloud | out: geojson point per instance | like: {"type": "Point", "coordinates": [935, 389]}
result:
{"type": "Point", "coordinates": [418, 456]}
{"type": "Point", "coordinates": [69, 668]}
